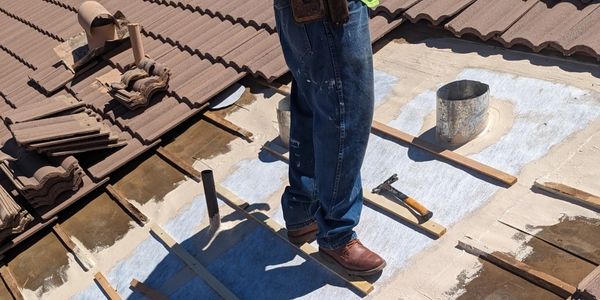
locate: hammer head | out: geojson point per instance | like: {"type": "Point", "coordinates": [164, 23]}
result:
{"type": "Point", "coordinates": [386, 185]}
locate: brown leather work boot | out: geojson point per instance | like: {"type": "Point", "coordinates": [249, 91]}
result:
{"type": "Point", "coordinates": [356, 258]}
{"type": "Point", "coordinates": [306, 234]}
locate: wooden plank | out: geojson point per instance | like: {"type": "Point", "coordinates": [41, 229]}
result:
{"type": "Point", "coordinates": [191, 262]}
{"type": "Point", "coordinates": [454, 157]}
{"type": "Point", "coordinates": [306, 249]}
{"type": "Point", "coordinates": [400, 212]}
{"type": "Point", "coordinates": [518, 268]}
{"type": "Point", "coordinates": [63, 237]}
{"type": "Point", "coordinates": [179, 164]}
{"type": "Point", "coordinates": [229, 126]}
{"type": "Point", "coordinates": [11, 283]}
{"type": "Point", "coordinates": [278, 87]}
{"type": "Point", "coordinates": [86, 262]}
{"type": "Point", "coordinates": [185, 167]}
{"type": "Point", "coordinates": [578, 196]}
{"type": "Point", "coordinates": [137, 215]}
{"type": "Point", "coordinates": [108, 290]}
{"type": "Point", "coordinates": [394, 209]}
{"type": "Point", "coordinates": [147, 291]}
{"type": "Point", "coordinates": [589, 287]}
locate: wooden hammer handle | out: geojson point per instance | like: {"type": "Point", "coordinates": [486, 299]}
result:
{"type": "Point", "coordinates": [418, 207]}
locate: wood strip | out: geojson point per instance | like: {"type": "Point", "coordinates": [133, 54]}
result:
{"type": "Point", "coordinates": [179, 164]}
{"type": "Point", "coordinates": [404, 214]}
{"type": "Point", "coordinates": [454, 157]}
{"type": "Point", "coordinates": [589, 287]}
{"type": "Point", "coordinates": [11, 283]}
{"type": "Point", "coordinates": [278, 87]}
{"type": "Point", "coordinates": [394, 209]}
{"type": "Point", "coordinates": [307, 250]}
{"type": "Point", "coordinates": [191, 262]}
{"type": "Point", "coordinates": [578, 196]}
{"type": "Point", "coordinates": [108, 290]}
{"type": "Point", "coordinates": [519, 268]}
{"type": "Point", "coordinates": [137, 215]}
{"type": "Point", "coordinates": [229, 126]}
{"type": "Point", "coordinates": [64, 237]}
{"type": "Point", "coordinates": [86, 262]}
{"type": "Point", "coordinates": [147, 291]}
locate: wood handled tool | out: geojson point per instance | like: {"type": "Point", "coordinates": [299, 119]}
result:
{"type": "Point", "coordinates": [387, 187]}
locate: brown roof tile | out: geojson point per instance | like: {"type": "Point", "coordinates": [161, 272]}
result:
{"type": "Point", "coordinates": [436, 11]}
{"type": "Point", "coordinates": [381, 25]}
{"type": "Point", "coordinates": [42, 109]}
{"type": "Point", "coordinates": [488, 18]}
{"type": "Point", "coordinates": [393, 8]}
{"type": "Point", "coordinates": [583, 37]}
{"type": "Point", "coordinates": [52, 78]}
{"type": "Point", "coordinates": [546, 23]}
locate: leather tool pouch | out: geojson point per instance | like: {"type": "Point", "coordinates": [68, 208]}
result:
{"type": "Point", "coordinates": [338, 11]}
{"type": "Point", "coordinates": [308, 10]}
{"type": "Point", "coordinates": [312, 10]}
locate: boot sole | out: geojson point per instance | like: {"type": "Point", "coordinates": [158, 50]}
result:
{"type": "Point", "coordinates": [361, 273]}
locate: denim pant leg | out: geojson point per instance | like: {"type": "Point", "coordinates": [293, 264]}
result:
{"type": "Point", "coordinates": [332, 66]}
{"type": "Point", "coordinates": [299, 200]}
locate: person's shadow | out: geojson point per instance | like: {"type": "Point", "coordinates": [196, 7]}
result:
{"type": "Point", "coordinates": [250, 260]}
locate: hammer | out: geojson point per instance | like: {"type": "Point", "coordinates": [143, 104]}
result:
{"type": "Point", "coordinates": [412, 203]}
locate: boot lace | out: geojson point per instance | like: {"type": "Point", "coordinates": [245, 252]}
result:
{"type": "Point", "coordinates": [350, 245]}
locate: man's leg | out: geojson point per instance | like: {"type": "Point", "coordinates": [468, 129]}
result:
{"type": "Point", "coordinates": [299, 201]}
{"type": "Point", "coordinates": [332, 66]}
{"type": "Point", "coordinates": [339, 76]}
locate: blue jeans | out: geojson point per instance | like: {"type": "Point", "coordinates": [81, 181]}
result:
{"type": "Point", "coordinates": [332, 110]}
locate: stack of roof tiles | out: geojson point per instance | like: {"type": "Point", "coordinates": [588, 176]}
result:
{"type": "Point", "coordinates": [13, 218]}
{"type": "Point", "coordinates": [65, 135]}
{"type": "Point", "coordinates": [37, 178]}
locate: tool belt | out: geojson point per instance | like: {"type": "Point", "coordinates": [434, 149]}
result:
{"type": "Point", "coordinates": [306, 11]}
